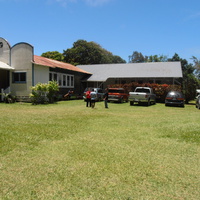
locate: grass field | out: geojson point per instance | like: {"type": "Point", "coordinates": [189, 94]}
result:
{"type": "Point", "coordinates": [68, 151]}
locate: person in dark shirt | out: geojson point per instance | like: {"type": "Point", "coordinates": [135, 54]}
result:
{"type": "Point", "coordinates": [106, 98]}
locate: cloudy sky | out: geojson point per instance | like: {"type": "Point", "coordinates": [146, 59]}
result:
{"type": "Point", "coordinates": [161, 27]}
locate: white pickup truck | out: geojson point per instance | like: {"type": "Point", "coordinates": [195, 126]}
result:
{"type": "Point", "coordinates": [142, 94]}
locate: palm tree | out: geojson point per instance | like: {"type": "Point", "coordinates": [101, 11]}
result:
{"type": "Point", "coordinates": [197, 66]}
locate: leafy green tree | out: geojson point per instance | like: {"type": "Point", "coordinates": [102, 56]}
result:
{"type": "Point", "coordinates": [55, 55]}
{"type": "Point", "coordinates": [117, 59]}
{"type": "Point", "coordinates": [189, 82]}
{"type": "Point", "coordinates": [156, 58]}
{"type": "Point", "coordinates": [84, 52]}
{"type": "Point", "coordinates": [197, 66]}
{"type": "Point", "coordinates": [137, 57]}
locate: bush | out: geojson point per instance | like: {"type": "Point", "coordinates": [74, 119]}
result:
{"type": "Point", "coordinates": [8, 98]}
{"type": "Point", "coordinates": [44, 93]}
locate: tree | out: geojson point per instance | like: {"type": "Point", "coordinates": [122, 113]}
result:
{"type": "Point", "coordinates": [117, 59]}
{"type": "Point", "coordinates": [197, 66]}
{"type": "Point", "coordinates": [156, 58]}
{"type": "Point", "coordinates": [137, 57]}
{"type": "Point", "coordinates": [55, 55]}
{"type": "Point", "coordinates": [84, 52]}
{"type": "Point", "coordinates": [189, 81]}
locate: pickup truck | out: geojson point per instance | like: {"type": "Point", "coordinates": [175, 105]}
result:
{"type": "Point", "coordinates": [117, 95]}
{"type": "Point", "coordinates": [142, 94]}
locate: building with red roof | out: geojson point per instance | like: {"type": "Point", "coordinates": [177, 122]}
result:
{"type": "Point", "coordinates": [20, 69]}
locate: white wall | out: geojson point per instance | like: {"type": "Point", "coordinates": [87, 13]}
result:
{"type": "Point", "coordinates": [21, 60]}
{"type": "Point", "coordinates": [5, 51]}
{"type": "Point", "coordinates": [41, 74]}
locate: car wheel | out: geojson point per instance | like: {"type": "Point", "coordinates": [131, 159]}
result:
{"type": "Point", "coordinates": [131, 103]}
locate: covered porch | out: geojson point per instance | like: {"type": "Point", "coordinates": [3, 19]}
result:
{"type": "Point", "coordinates": [4, 79]}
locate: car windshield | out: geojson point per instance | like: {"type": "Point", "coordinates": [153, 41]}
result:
{"type": "Point", "coordinates": [116, 91]}
{"type": "Point", "coordinates": [174, 94]}
{"type": "Point", "coordinates": [143, 90]}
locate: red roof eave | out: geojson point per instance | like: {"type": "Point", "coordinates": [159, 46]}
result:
{"type": "Point", "coordinates": [42, 61]}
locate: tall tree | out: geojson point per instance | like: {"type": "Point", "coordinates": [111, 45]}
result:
{"type": "Point", "coordinates": [55, 55]}
{"type": "Point", "coordinates": [137, 57]}
{"type": "Point", "coordinates": [117, 59]}
{"type": "Point", "coordinates": [84, 52]}
{"type": "Point", "coordinates": [156, 58]}
{"type": "Point", "coordinates": [189, 82]}
{"type": "Point", "coordinates": [197, 66]}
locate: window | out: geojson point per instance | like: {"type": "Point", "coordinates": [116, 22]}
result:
{"type": "Point", "coordinates": [19, 77]}
{"type": "Point", "coordinates": [64, 80]}
{"type": "Point", "coordinates": [72, 81]}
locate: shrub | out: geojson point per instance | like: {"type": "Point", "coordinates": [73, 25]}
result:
{"type": "Point", "coordinates": [44, 93]}
{"type": "Point", "coordinates": [8, 98]}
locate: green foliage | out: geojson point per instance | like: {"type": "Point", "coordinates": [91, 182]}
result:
{"type": "Point", "coordinates": [138, 57]}
{"type": "Point", "coordinates": [189, 82]}
{"type": "Point", "coordinates": [84, 52]}
{"type": "Point", "coordinates": [197, 66]}
{"type": "Point", "coordinates": [44, 93]}
{"type": "Point", "coordinates": [55, 55]}
{"type": "Point", "coordinates": [156, 58]}
{"type": "Point", "coordinates": [8, 98]}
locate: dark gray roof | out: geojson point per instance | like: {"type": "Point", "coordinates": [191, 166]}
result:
{"type": "Point", "coordinates": [102, 72]}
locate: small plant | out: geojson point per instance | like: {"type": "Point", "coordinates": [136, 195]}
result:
{"type": "Point", "coordinates": [44, 93]}
{"type": "Point", "coordinates": [8, 98]}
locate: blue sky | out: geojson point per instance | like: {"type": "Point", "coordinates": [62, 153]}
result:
{"type": "Point", "coordinates": [161, 27]}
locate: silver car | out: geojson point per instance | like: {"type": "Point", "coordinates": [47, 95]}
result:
{"type": "Point", "coordinates": [198, 102]}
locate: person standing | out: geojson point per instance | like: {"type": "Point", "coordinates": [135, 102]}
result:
{"type": "Point", "coordinates": [88, 98]}
{"type": "Point", "coordinates": [93, 98]}
{"type": "Point", "coordinates": [106, 98]}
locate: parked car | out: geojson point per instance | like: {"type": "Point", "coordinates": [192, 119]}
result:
{"type": "Point", "coordinates": [175, 98]}
{"type": "Point", "coordinates": [142, 95]}
{"type": "Point", "coordinates": [99, 93]}
{"type": "Point", "coordinates": [117, 95]}
{"type": "Point", "coordinates": [198, 102]}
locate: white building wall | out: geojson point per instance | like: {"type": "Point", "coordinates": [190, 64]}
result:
{"type": "Point", "coordinates": [21, 60]}
{"type": "Point", "coordinates": [41, 74]}
{"type": "Point", "coordinates": [4, 51]}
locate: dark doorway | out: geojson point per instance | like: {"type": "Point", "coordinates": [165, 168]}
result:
{"type": "Point", "coordinates": [4, 80]}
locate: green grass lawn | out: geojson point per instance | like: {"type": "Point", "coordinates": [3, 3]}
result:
{"type": "Point", "coordinates": [68, 151]}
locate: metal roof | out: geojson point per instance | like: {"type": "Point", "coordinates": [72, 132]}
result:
{"type": "Point", "coordinates": [5, 66]}
{"type": "Point", "coordinates": [101, 72]}
{"type": "Point", "coordinates": [39, 60]}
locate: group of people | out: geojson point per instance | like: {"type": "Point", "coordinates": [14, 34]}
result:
{"type": "Point", "coordinates": [91, 98]}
